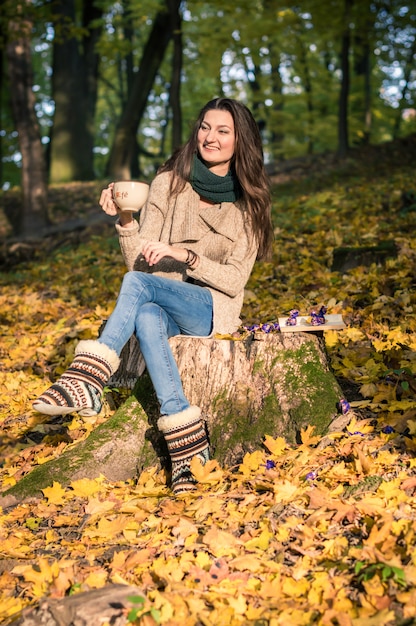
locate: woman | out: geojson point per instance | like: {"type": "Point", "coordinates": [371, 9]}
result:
{"type": "Point", "coordinates": [206, 220]}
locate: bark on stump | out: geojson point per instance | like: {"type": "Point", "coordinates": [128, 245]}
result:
{"type": "Point", "coordinates": [274, 384]}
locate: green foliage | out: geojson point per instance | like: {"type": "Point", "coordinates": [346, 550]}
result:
{"type": "Point", "coordinates": [136, 614]}
{"type": "Point", "coordinates": [365, 571]}
{"type": "Point", "coordinates": [282, 60]}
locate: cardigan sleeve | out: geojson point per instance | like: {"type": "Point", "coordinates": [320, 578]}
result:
{"type": "Point", "coordinates": [229, 277]}
{"type": "Point", "coordinates": [150, 225]}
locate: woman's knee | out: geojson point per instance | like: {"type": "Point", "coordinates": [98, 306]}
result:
{"type": "Point", "coordinates": [152, 320]}
{"type": "Point", "coordinates": [135, 285]}
{"type": "Point", "coordinates": [148, 314]}
{"type": "Point", "coordinates": [148, 320]}
{"type": "Point", "coordinates": [131, 278]}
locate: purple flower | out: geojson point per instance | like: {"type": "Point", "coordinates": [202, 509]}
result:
{"type": "Point", "coordinates": [343, 406]}
{"type": "Point", "coordinates": [311, 476]}
{"type": "Point", "coordinates": [267, 327]}
{"type": "Point", "coordinates": [291, 320]}
{"type": "Point", "coordinates": [270, 464]}
{"type": "Point", "coordinates": [317, 319]}
{"type": "Point", "coordinates": [388, 429]}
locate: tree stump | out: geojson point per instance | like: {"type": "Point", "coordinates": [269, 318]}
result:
{"type": "Point", "coordinates": [275, 384]}
{"type": "Point", "coordinates": [347, 258]}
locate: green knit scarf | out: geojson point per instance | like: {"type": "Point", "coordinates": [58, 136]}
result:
{"type": "Point", "coordinates": [212, 187]}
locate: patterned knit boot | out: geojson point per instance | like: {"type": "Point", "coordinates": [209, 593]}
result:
{"type": "Point", "coordinates": [80, 387]}
{"type": "Point", "coordinates": [185, 437]}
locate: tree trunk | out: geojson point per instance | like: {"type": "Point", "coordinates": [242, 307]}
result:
{"type": "Point", "coordinates": [176, 74]}
{"type": "Point", "coordinates": [126, 75]}
{"type": "Point", "coordinates": [74, 86]}
{"type": "Point", "coordinates": [2, 107]}
{"type": "Point", "coordinates": [363, 44]}
{"type": "Point", "coordinates": [406, 81]}
{"type": "Point", "coordinates": [125, 138]}
{"type": "Point", "coordinates": [276, 131]}
{"type": "Point", "coordinates": [368, 116]}
{"type": "Point", "coordinates": [276, 384]}
{"type": "Point", "coordinates": [33, 216]}
{"type": "Point", "coordinates": [307, 84]}
{"type": "Point", "coordinates": [343, 141]}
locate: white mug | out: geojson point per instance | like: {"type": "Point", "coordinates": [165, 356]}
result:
{"type": "Point", "coordinates": [130, 195]}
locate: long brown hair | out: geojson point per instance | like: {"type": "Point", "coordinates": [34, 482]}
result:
{"type": "Point", "coordinates": [247, 162]}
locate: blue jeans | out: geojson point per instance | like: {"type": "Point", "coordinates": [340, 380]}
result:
{"type": "Point", "coordinates": [154, 309]}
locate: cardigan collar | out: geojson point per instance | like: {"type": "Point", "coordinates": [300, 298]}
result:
{"type": "Point", "coordinates": [195, 222]}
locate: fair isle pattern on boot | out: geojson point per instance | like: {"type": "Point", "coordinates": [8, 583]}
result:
{"type": "Point", "coordinates": [80, 387]}
{"type": "Point", "coordinates": [186, 438]}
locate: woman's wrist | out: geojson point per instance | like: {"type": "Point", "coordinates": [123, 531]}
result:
{"type": "Point", "coordinates": [126, 219]}
{"type": "Point", "coordinates": [192, 259]}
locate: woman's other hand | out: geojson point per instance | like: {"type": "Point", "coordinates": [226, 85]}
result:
{"type": "Point", "coordinates": [154, 251]}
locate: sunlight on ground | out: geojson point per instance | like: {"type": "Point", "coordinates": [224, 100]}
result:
{"type": "Point", "coordinates": [295, 535]}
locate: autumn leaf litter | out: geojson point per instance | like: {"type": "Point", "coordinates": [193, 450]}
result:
{"type": "Point", "coordinates": [318, 533]}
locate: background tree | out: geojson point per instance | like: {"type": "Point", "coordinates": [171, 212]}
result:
{"type": "Point", "coordinates": [343, 139]}
{"type": "Point", "coordinates": [176, 76]}
{"type": "Point", "coordinates": [122, 149]}
{"type": "Point", "coordinates": [2, 104]}
{"type": "Point", "coordinates": [282, 60]}
{"type": "Point", "coordinates": [33, 215]}
{"type": "Point", "coordinates": [363, 64]}
{"type": "Point", "coordinates": [406, 57]}
{"type": "Point", "coordinates": [74, 89]}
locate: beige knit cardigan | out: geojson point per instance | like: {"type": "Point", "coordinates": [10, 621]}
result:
{"type": "Point", "coordinates": [219, 234]}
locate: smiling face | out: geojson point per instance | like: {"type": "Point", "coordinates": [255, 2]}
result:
{"type": "Point", "coordinates": [216, 140]}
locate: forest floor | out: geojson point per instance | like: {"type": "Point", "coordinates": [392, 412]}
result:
{"type": "Point", "coordinates": [295, 535]}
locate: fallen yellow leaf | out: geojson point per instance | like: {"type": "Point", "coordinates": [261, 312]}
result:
{"type": "Point", "coordinates": [55, 494]}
